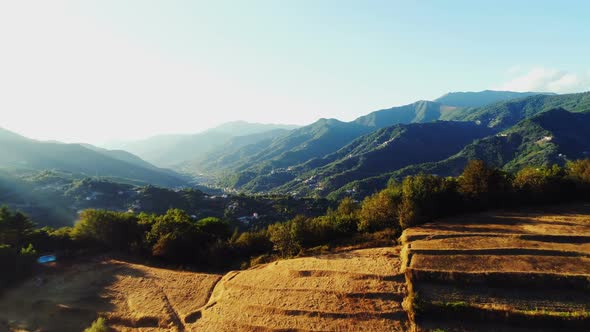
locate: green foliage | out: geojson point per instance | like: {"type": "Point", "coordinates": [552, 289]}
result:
{"type": "Point", "coordinates": [113, 230]}
{"type": "Point", "coordinates": [99, 325]}
{"type": "Point", "coordinates": [284, 237]}
{"type": "Point", "coordinates": [254, 243]}
{"type": "Point", "coordinates": [425, 197]}
{"type": "Point", "coordinates": [482, 185]}
{"type": "Point", "coordinates": [15, 227]}
{"type": "Point", "coordinates": [379, 211]}
{"type": "Point", "coordinates": [579, 170]}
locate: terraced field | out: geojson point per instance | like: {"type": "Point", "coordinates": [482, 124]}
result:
{"type": "Point", "coordinates": [527, 270]}
{"type": "Point", "coordinates": [131, 296]}
{"type": "Point", "coordinates": [359, 290]}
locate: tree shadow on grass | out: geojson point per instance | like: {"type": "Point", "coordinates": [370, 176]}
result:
{"type": "Point", "coordinates": [63, 298]}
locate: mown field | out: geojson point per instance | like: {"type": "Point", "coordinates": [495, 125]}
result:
{"type": "Point", "coordinates": [348, 291]}
{"type": "Point", "coordinates": [501, 271]}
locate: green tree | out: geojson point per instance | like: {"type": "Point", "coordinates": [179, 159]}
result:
{"type": "Point", "coordinates": [113, 230]}
{"type": "Point", "coordinates": [425, 197]}
{"type": "Point", "coordinates": [15, 228]}
{"type": "Point", "coordinates": [379, 211]}
{"type": "Point", "coordinates": [482, 184]}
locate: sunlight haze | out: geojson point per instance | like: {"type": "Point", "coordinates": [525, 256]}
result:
{"type": "Point", "coordinates": [94, 71]}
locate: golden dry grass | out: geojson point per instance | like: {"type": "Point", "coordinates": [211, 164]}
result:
{"type": "Point", "coordinates": [358, 290]}
{"type": "Point", "coordinates": [527, 267]}
{"type": "Point", "coordinates": [130, 296]}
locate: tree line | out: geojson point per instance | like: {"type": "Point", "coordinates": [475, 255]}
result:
{"type": "Point", "coordinates": [178, 239]}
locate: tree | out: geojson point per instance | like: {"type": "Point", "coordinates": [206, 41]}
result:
{"type": "Point", "coordinates": [579, 170]}
{"type": "Point", "coordinates": [481, 183]}
{"type": "Point", "coordinates": [284, 236]}
{"type": "Point", "coordinates": [379, 211]}
{"type": "Point", "coordinates": [114, 230]}
{"type": "Point", "coordinates": [425, 197]}
{"type": "Point", "coordinates": [15, 228]}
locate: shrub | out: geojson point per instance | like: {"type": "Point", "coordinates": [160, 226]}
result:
{"type": "Point", "coordinates": [250, 244]}
{"type": "Point", "coordinates": [99, 325]}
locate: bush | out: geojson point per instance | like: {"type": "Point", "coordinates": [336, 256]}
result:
{"type": "Point", "coordinates": [250, 244]}
{"type": "Point", "coordinates": [98, 325]}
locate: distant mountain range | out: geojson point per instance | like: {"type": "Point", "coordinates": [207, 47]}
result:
{"type": "Point", "coordinates": [21, 153]}
{"type": "Point", "coordinates": [482, 98]}
{"type": "Point", "coordinates": [281, 164]}
{"type": "Point", "coordinates": [334, 158]}
{"type": "Point", "coordinates": [175, 150]}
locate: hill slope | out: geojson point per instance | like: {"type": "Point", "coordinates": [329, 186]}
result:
{"type": "Point", "coordinates": [22, 153]}
{"type": "Point", "coordinates": [551, 137]}
{"type": "Point", "coordinates": [173, 150]}
{"type": "Point", "coordinates": [482, 98]}
{"type": "Point", "coordinates": [382, 151]}
{"type": "Point", "coordinates": [506, 114]}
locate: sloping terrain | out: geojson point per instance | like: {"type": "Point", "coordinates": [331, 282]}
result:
{"type": "Point", "coordinates": [504, 114]}
{"type": "Point", "coordinates": [130, 296]}
{"type": "Point", "coordinates": [482, 98]}
{"type": "Point", "coordinates": [349, 291]}
{"type": "Point", "coordinates": [383, 151]}
{"type": "Point", "coordinates": [527, 270]}
{"type": "Point", "coordinates": [352, 291]}
{"type": "Point", "coordinates": [551, 137]}
{"type": "Point", "coordinates": [21, 153]}
{"type": "Point", "coordinates": [175, 150]}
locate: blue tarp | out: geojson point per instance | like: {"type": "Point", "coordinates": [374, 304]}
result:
{"type": "Point", "coordinates": [46, 259]}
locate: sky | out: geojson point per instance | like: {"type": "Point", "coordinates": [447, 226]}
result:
{"type": "Point", "coordinates": [103, 70]}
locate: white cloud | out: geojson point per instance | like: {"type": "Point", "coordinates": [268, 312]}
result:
{"type": "Point", "coordinates": [547, 80]}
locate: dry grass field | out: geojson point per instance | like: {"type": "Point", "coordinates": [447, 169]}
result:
{"type": "Point", "coordinates": [130, 296]}
{"type": "Point", "coordinates": [520, 270]}
{"type": "Point", "coordinates": [359, 290]}
{"type": "Point", "coordinates": [496, 271]}
{"type": "Point", "coordinates": [349, 291]}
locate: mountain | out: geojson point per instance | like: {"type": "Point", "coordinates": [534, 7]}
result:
{"type": "Point", "coordinates": [551, 137]}
{"type": "Point", "coordinates": [174, 150]}
{"type": "Point", "coordinates": [22, 153]}
{"type": "Point", "coordinates": [253, 168]}
{"type": "Point", "coordinates": [505, 114]}
{"type": "Point", "coordinates": [382, 151]}
{"type": "Point", "coordinates": [233, 151]}
{"type": "Point", "coordinates": [482, 98]}
{"type": "Point", "coordinates": [418, 112]}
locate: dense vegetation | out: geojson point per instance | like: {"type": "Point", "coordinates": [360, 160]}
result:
{"type": "Point", "coordinates": [326, 158]}
{"type": "Point", "coordinates": [177, 238]}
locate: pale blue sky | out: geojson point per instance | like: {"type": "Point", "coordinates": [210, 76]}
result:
{"type": "Point", "coordinates": [110, 69]}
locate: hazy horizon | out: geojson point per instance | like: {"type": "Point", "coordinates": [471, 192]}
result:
{"type": "Point", "coordinates": [85, 71]}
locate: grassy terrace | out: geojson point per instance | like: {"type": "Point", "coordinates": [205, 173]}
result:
{"type": "Point", "coordinates": [496, 271]}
